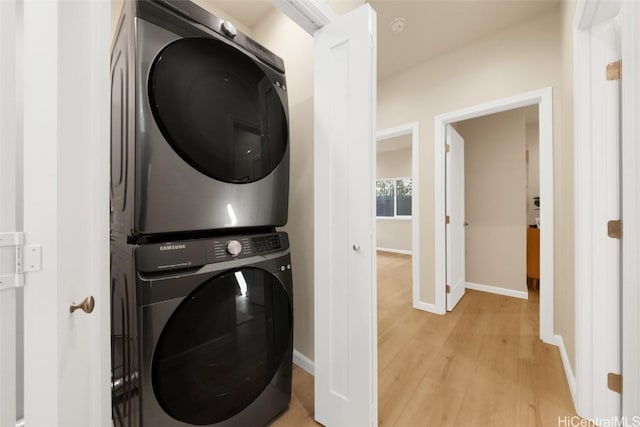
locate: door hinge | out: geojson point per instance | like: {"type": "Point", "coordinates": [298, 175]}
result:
{"type": "Point", "coordinates": [447, 219]}
{"type": "Point", "coordinates": [448, 289]}
{"type": "Point", "coordinates": [25, 259]}
{"type": "Point", "coordinates": [614, 229]}
{"type": "Point", "coordinates": [614, 382]}
{"type": "Point", "coordinates": [614, 70]}
{"type": "Point", "coordinates": [447, 148]}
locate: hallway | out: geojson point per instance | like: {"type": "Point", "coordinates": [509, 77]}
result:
{"type": "Point", "coordinates": [480, 365]}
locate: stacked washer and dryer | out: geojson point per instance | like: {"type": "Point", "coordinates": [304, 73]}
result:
{"type": "Point", "coordinates": [201, 292]}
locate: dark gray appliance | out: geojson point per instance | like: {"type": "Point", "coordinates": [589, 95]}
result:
{"type": "Point", "coordinates": [199, 136]}
{"type": "Point", "coordinates": [202, 331]}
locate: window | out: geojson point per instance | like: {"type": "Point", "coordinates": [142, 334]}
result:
{"type": "Point", "coordinates": [393, 197]}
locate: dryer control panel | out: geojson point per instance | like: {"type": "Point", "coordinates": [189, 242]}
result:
{"type": "Point", "coordinates": [227, 248]}
{"type": "Point", "coordinates": [182, 254]}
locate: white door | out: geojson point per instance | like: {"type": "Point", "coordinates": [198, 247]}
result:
{"type": "Point", "coordinates": [65, 86]}
{"type": "Point", "coordinates": [8, 211]}
{"type": "Point", "coordinates": [455, 217]}
{"type": "Point", "coordinates": [345, 280]}
{"type": "Point", "coordinates": [607, 250]}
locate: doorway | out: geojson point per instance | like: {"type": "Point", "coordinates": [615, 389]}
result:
{"type": "Point", "coordinates": [397, 197]}
{"type": "Point", "coordinates": [495, 177]}
{"type": "Point", "coordinates": [543, 99]}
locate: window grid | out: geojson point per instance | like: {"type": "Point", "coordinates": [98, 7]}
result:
{"type": "Point", "coordinates": [386, 187]}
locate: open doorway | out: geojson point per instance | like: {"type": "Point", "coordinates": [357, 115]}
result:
{"type": "Point", "coordinates": [500, 199]}
{"type": "Point", "coordinates": [542, 100]}
{"type": "Point", "coordinates": [397, 203]}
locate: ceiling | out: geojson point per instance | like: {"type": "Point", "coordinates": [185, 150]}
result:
{"type": "Point", "coordinates": [432, 27]}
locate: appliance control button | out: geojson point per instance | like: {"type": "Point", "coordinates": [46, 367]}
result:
{"type": "Point", "coordinates": [234, 248]}
{"type": "Point", "coordinates": [229, 29]}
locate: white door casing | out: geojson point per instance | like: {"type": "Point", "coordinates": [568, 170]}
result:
{"type": "Point", "coordinates": [455, 197]}
{"type": "Point", "coordinates": [630, 207]}
{"type": "Point", "coordinates": [542, 98]}
{"type": "Point", "coordinates": [345, 266]}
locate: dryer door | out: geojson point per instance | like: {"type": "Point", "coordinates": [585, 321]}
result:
{"type": "Point", "coordinates": [219, 109]}
{"type": "Point", "coordinates": [222, 346]}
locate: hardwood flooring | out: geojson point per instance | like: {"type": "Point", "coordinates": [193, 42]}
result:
{"type": "Point", "coordinates": [480, 365]}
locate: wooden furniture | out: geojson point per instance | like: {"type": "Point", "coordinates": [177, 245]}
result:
{"type": "Point", "coordinates": [533, 256]}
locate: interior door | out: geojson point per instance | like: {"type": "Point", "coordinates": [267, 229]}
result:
{"type": "Point", "coordinates": [455, 218]}
{"type": "Point", "coordinates": [345, 280]}
{"type": "Point", "coordinates": [8, 210]}
{"type": "Point", "coordinates": [66, 175]}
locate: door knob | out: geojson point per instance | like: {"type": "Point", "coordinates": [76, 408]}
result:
{"type": "Point", "coordinates": [86, 305]}
{"type": "Point", "coordinates": [356, 247]}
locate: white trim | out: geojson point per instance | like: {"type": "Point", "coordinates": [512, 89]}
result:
{"type": "Point", "coordinates": [543, 98]}
{"type": "Point", "coordinates": [394, 251]}
{"type": "Point", "coordinates": [310, 15]}
{"type": "Point", "coordinates": [631, 208]}
{"type": "Point", "coordinates": [571, 379]}
{"type": "Point", "coordinates": [395, 218]}
{"type": "Point", "coordinates": [497, 290]}
{"type": "Point", "coordinates": [412, 129]}
{"type": "Point", "coordinates": [303, 362]}
{"type": "Point", "coordinates": [431, 308]}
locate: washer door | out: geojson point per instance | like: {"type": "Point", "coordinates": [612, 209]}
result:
{"type": "Point", "coordinates": [222, 346]}
{"type": "Point", "coordinates": [218, 110]}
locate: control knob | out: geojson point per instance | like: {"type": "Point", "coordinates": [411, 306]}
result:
{"type": "Point", "coordinates": [228, 29]}
{"type": "Point", "coordinates": [234, 248]}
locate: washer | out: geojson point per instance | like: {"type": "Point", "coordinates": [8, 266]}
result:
{"type": "Point", "coordinates": [200, 135]}
{"type": "Point", "coordinates": [202, 331]}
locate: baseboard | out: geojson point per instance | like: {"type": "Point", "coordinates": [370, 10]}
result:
{"type": "Point", "coordinates": [571, 379]}
{"type": "Point", "coordinates": [425, 306]}
{"type": "Point", "coordinates": [303, 362]}
{"type": "Point", "coordinates": [497, 290]}
{"type": "Point", "coordinates": [395, 251]}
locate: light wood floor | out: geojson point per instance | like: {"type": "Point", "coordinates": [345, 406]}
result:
{"type": "Point", "coordinates": [480, 365]}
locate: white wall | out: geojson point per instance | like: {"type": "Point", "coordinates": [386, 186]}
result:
{"type": "Point", "coordinates": [279, 34]}
{"type": "Point", "coordinates": [394, 233]}
{"type": "Point", "coordinates": [495, 199]}
{"type": "Point", "coordinates": [564, 290]}
{"type": "Point", "coordinates": [533, 171]}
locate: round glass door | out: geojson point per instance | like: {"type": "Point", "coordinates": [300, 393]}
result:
{"type": "Point", "coordinates": [218, 110]}
{"type": "Point", "coordinates": [222, 346]}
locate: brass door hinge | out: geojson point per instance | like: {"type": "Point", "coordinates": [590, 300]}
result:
{"type": "Point", "coordinates": [447, 219]}
{"type": "Point", "coordinates": [614, 382]}
{"type": "Point", "coordinates": [614, 229]}
{"type": "Point", "coordinates": [448, 289]}
{"type": "Point", "coordinates": [614, 70]}
{"type": "Point", "coordinates": [447, 148]}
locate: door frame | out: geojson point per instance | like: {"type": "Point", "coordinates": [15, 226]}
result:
{"type": "Point", "coordinates": [589, 15]}
{"type": "Point", "coordinates": [542, 98]}
{"type": "Point", "coordinates": [412, 129]}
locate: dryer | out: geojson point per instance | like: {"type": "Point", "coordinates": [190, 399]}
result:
{"type": "Point", "coordinates": [200, 136]}
{"type": "Point", "coordinates": [211, 339]}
